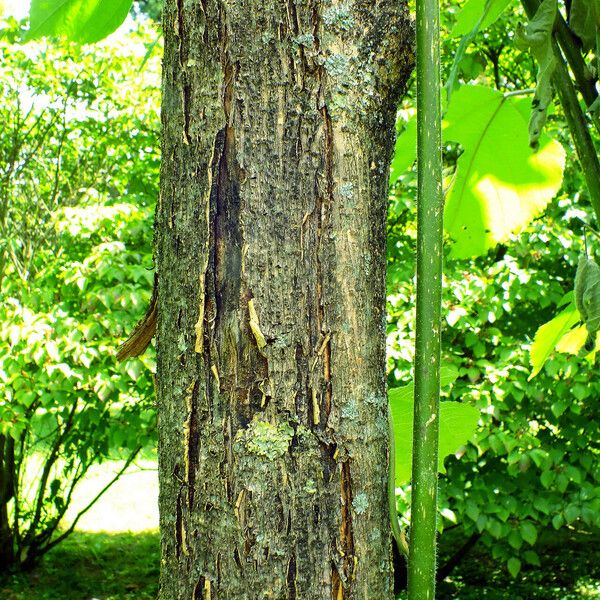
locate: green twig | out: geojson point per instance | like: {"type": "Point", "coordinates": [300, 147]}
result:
{"type": "Point", "coordinates": [571, 49]}
{"type": "Point", "coordinates": [586, 151]}
{"type": "Point", "coordinates": [430, 209]}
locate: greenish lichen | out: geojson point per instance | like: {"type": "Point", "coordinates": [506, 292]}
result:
{"type": "Point", "coordinates": [305, 39]}
{"type": "Point", "coordinates": [337, 65]}
{"type": "Point", "coordinates": [310, 487]}
{"type": "Point", "coordinates": [339, 17]}
{"type": "Point", "coordinates": [304, 434]}
{"type": "Point", "coordinates": [376, 399]}
{"type": "Point", "coordinates": [265, 439]}
{"type": "Point", "coordinates": [350, 410]}
{"type": "Point", "coordinates": [347, 190]}
{"type": "Point", "coordinates": [360, 503]}
{"type": "Point", "coordinates": [267, 37]}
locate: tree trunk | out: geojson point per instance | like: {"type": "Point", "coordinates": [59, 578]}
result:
{"type": "Point", "coordinates": [7, 492]}
{"type": "Point", "coordinates": [278, 125]}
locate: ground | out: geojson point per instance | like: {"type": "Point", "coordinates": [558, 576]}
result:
{"type": "Point", "coordinates": [114, 555]}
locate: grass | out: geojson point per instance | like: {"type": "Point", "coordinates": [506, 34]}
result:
{"type": "Point", "coordinates": [114, 555]}
{"type": "Point", "coordinates": [91, 566]}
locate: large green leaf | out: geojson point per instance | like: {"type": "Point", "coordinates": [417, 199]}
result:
{"type": "Point", "coordinates": [500, 185]}
{"type": "Point", "coordinates": [457, 425]}
{"type": "Point", "coordinates": [83, 21]}
{"type": "Point", "coordinates": [584, 20]}
{"type": "Point", "coordinates": [473, 10]}
{"type": "Point", "coordinates": [549, 335]}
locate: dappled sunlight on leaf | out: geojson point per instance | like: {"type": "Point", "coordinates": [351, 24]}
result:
{"type": "Point", "coordinates": [500, 185]}
{"type": "Point", "coordinates": [458, 423]}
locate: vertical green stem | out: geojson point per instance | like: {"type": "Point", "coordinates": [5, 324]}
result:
{"type": "Point", "coordinates": [580, 133]}
{"type": "Point", "coordinates": [578, 126]}
{"type": "Point", "coordinates": [422, 554]}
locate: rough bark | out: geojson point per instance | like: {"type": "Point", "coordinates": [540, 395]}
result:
{"type": "Point", "coordinates": [278, 125]}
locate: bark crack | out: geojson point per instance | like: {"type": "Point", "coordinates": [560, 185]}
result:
{"type": "Point", "coordinates": [192, 435]}
{"type": "Point", "coordinates": [291, 578]}
{"type": "Point", "coordinates": [323, 209]}
{"type": "Point", "coordinates": [346, 531]}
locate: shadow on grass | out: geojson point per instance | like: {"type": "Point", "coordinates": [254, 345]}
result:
{"type": "Point", "coordinates": [123, 566]}
{"type": "Point", "coordinates": [569, 569]}
{"type": "Point", "coordinates": [91, 566]}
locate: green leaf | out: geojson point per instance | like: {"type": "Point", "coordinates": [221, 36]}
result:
{"type": "Point", "coordinates": [515, 539]}
{"type": "Point", "coordinates": [559, 407]}
{"type": "Point", "coordinates": [537, 35]}
{"type": "Point", "coordinates": [528, 532]}
{"type": "Point", "coordinates": [83, 21]}
{"type": "Point", "coordinates": [495, 528]}
{"type": "Point", "coordinates": [458, 423]}
{"type": "Point", "coordinates": [573, 341]}
{"type": "Point", "coordinates": [514, 566]}
{"type": "Point", "coordinates": [472, 509]}
{"type": "Point", "coordinates": [572, 513]}
{"type": "Point", "coordinates": [532, 557]}
{"type": "Point", "coordinates": [584, 20]}
{"type": "Point", "coordinates": [558, 521]}
{"type": "Point", "coordinates": [561, 482]}
{"type": "Point", "coordinates": [549, 335]}
{"type": "Point", "coordinates": [473, 10]}
{"type": "Point", "coordinates": [405, 151]}
{"type": "Point", "coordinates": [499, 184]}
{"type": "Point", "coordinates": [587, 298]}
{"type": "Point", "coordinates": [547, 477]}
{"type": "Point", "coordinates": [449, 514]}
{"type": "Point", "coordinates": [542, 504]}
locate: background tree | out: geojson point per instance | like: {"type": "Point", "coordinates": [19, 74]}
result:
{"type": "Point", "coordinates": [78, 170]}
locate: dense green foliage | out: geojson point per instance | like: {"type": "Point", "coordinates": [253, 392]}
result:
{"type": "Point", "coordinates": [78, 180]}
{"type": "Point", "coordinates": [533, 464]}
{"type": "Point", "coordinates": [78, 177]}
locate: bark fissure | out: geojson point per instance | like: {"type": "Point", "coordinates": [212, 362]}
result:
{"type": "Point", "coordinates": [192, 442]}
{"type": "Point", "coordinates": [291, 578]}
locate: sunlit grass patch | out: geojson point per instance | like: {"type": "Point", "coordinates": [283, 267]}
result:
{"type": "Point", "coordinates": [131, 504]}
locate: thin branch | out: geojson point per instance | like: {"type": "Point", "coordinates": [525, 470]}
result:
{"type": "Point", "coordinates": [94, 500]}
{"type": "Point", "coordinates": [50, 460]}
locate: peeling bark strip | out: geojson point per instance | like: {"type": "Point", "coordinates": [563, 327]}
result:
{"type": "Point", "coordinates": [144, 331]}
{"type": "Point", "coordinates": [278, 122]}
